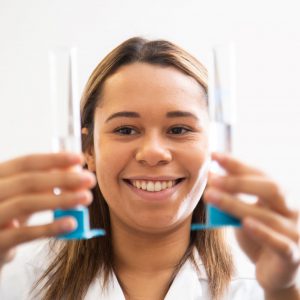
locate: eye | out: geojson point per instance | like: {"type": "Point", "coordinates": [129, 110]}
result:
{"type": "Point", "coordinates": [125, 130]}
{"type": "Point", "coordinates": [179, 130]}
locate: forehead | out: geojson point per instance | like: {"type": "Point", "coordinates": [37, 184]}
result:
{"type": "Point", "coordinates": [140, 84]}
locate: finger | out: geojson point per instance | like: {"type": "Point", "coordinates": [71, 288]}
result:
{"type": "Point", "coordinates": [42, 182]}
{"type": "Point", "coordinates": [233, 165]}
{"type": "Point", "coordinates": [259, 186]}
{"type": "Point", "coordinates": [246, 242]}
{"type": "Point", "coordinates": [12, 237]}
{"type": "Point", "coordinates": [7, 256]}
{"type": "Point", "coordinates": [29, 204]}
{"type": "Point", "coordinates": [266, 236]}
{"type": "Point", "coordinates": [39, 162]}
{"type": "Point", "coordinates": [239, 209]}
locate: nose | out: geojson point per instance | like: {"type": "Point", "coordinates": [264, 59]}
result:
{"type": "Point", "coordinates": [153, 151]}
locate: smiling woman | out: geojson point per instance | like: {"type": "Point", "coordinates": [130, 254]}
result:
{"type": "Point", "coordinates": [145, 126]}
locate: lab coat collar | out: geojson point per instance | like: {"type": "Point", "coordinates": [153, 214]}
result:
{"type": "Point", "coordinates": [186, 284]}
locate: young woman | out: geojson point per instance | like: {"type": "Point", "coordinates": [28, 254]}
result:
{"type": "Point", "coordinates": [145, 137]}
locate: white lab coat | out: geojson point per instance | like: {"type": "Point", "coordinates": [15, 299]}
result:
{"type": "Point", "coordinates": [187, 285]}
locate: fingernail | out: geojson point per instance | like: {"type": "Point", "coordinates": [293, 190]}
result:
{"type": "Point", "coordinates": [74, 158]}
{"type": "Point", "coordinates": [84, 197]}
{"type": "Point", "coordinates": [88, 177]}
{"type": "Point", "coordinates": [69, 224]}
{"type": "Point", "coordinates": [213, 196]}
{"type": "Point", "coordinates": [216, 180]}
{"type": "Point", "coordinates": [218, 156]}
{"type": "Point", "coordinates": [251, 223]}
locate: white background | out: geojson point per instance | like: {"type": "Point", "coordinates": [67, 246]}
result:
{"type": "Point", "coordinates": [267, 34]}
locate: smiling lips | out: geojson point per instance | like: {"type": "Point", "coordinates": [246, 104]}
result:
{"type": "Point", "coordinates": [154, 185]}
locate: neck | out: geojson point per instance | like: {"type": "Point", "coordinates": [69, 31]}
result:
{"type": "Point", "coordinates": [144, 258]}
{"type": "Point", "coordinates": [149, 251]}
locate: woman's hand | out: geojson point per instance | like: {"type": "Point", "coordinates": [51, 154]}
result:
{"type": "Point", "coordinates": [270, 233]}
{"type": "Point", "coordinates": [26, 187]}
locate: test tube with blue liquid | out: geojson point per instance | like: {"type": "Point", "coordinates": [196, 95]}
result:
{"type": "Point", "coordinates": [222, 113]}
{"type": "Point", "coordinates": [66, 134]}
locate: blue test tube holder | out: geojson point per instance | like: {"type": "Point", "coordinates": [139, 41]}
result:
{"type": "Point", "coordinates": [82, 231]}
{"type": "Point", "coordinates": [215, 219]}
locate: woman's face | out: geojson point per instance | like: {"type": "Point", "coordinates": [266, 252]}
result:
{"type": "Point", "coordinates": [150, 146]}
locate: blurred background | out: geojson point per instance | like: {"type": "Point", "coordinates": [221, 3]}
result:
{"type": "Point", "coordinates": [267, 37]}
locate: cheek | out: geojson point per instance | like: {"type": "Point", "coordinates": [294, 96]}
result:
{"type": "Point", "coordinates": [110, 159]}
{"type": "Point", "coordinates": [197, 163]}
{"type": "Point", "coordinates": [194, 155]}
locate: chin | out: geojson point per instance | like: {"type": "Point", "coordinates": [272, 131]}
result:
{"type": "Point", "coordinates": [158, 224]}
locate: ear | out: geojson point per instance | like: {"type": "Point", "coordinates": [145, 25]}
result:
{"type": "Point", "coordinates": [89, 154]}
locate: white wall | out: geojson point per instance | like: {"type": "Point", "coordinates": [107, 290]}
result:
{"type": "Point", "coordinates": [268, 46]}
{"type": "Point", "coordinates": [268, 43]}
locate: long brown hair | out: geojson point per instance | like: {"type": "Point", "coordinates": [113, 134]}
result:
{"type": "Point", "coordinates": [78, 263]}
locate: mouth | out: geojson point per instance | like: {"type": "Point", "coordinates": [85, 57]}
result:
{"type": "Point", "coordinates": [153, 186]}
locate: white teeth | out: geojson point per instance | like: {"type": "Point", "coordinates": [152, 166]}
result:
{"type": "Point", "coordinates": [144, 185]}
{"type": "Point", "coordinates": [150, 186]}
{"type": "Point", "coordinates": [153, 186]}
{"type": "Point", "coordinates": [157, 186]}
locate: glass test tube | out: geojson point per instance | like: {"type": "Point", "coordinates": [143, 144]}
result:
{"type": "Point", "coordinates": [222, 112]}
{"type": "Point", "coordinates": [64, 101]}
{"type": "Point", "coordinates": [66, 128]}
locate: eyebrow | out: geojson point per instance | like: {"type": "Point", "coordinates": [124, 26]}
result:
{"type": "Point", "coordinates": [170, 114]}
{"type": "Point", "coordinates": [181, 114]}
